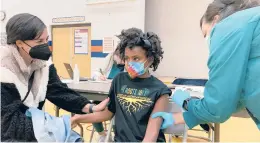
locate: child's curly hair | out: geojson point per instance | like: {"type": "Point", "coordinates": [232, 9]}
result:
{"type": "Point", "coordinates": [149, 41]}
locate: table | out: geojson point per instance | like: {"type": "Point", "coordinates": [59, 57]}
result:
{"type": "Point", "coordinates": [98, 91]}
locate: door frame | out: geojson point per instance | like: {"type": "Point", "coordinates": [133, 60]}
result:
{"type": "Point", "coordinates": [69, 26]}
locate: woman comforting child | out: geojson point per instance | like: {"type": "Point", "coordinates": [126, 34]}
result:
{"type": "Point", "coordinates": [135, 94]}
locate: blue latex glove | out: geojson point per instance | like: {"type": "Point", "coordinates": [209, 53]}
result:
{"type": "Point", "coordinates": [168, 119]}
{"type": "Point", "coordinates": [179, 96]}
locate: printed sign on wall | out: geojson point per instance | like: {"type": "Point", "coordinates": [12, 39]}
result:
{"type": "Point", "coordinates": [68, 19]}
{"type": "Point", "coordinates": [81, 41]}
{"type": "Point", "coordinates": [108, 45]}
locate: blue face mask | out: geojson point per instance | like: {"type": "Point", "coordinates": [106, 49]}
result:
{"type": "Point", "coordinates": [207, 38]}
{"type": "Point", "coordinates": [135, 69]}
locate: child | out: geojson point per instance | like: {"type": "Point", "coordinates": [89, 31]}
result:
{"type": "Point", "coordinates": [135, 94]}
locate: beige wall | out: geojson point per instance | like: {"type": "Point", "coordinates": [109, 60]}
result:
{"type": "Point", "coordinates": [106, 19]}
{"type": "Point", "coordinates": [177, 23]}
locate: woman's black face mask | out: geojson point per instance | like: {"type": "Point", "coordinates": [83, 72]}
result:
{"type": "Point", "coordinates": [41, 52]}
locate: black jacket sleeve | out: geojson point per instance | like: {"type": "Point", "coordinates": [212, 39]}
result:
{"type": "Point", "coordinates": [60, 95]}
{"type": "Point", "coordinates": [15, 125]}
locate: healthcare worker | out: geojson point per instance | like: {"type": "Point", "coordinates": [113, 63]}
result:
{"type": "Point", "coordinates": [233, 28]}
{"type": "Point", "coordinates": [113, 66]}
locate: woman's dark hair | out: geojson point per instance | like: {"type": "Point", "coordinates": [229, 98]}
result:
{"type": "Point", "coordinates": [149, 41]}
{"type": "Point", "coordinates": [225, 8]}
{"type": "Point", "coordinates": [24, 27]}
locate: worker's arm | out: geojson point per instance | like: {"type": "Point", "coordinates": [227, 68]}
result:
{"type": "Point", "coordinates": [154, 124]}
{"type": "Point", "coordinates": [229, 54]}
{"type": "Point", "coordinates": [62, 96]}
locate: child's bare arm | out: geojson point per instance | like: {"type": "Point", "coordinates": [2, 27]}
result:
{"type": "Point", "coordinates": [95, 117]}
{"type": "Point", "coordinates": [154, 124]}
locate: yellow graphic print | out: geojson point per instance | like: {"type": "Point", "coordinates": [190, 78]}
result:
{"type": "Point", "coordinates": [133, 104]}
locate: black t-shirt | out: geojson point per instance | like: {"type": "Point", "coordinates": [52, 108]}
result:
{"type": "Point", "coordinates": [132, 102]}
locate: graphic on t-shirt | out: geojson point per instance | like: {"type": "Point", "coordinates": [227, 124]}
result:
{"type": "Point", "coordinates": [134, 100]}
{"type": "Point", "coordinates": [135, 92]}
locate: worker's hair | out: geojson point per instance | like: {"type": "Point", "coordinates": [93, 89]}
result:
{"type": "Point", "coordinates": [225, 8]}
{"type": "Point", "coordinates": [111, 61]}
{"type": "Point", "coordinates": [149, 41]}
{"type": "Point", "coordinates": [24, 27]}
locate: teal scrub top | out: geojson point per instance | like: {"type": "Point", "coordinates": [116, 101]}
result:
{"type": "Point", "coordinates": [234, 71]}
{"type": "Point", "coordinates": [114, 71]}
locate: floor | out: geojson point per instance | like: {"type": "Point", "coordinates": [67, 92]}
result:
{"type": "Point", "coordinates": [234, 130]}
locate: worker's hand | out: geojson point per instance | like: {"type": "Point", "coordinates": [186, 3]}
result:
{"type": "Point", "coordinates": [102, 77]}
{"type": "Point", "coordinates": [101, 106]}
{"type": "Point", "coordinates": [168, 119]}
{"type": "Point", "coordinates": [179, 96]}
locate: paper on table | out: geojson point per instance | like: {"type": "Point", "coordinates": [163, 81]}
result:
{"type": "Point", "coordinates": [100, 81]}
{"type": "Point", "coordinates": [193, 90]}
{"type": "Point", "coordinates": [66, 80]}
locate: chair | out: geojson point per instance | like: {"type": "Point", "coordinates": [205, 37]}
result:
{"type": "Point", "coordinates": [93, 131]}
{"type": "Point", "coordinates": [112, 122]}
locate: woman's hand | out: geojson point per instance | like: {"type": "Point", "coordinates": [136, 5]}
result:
{"type": "Point", "coordinates": [97, 108]}
{"type": "Point", "coordinates": [73, 121]}
{"type": "Point", "coordinates": [101, 106]}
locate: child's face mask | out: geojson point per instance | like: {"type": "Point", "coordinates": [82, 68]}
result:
{"type": "Point", "coordinates": [135, 69]}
